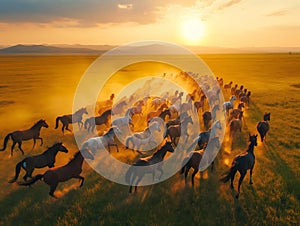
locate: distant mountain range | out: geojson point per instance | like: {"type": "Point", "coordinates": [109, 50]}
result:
{"type": "Point", "coordinates": [100, 49]}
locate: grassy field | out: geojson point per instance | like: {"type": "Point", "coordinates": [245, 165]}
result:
{"type": "Point", "coordinates": [34, 87]}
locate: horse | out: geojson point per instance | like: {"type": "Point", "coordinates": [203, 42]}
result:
{"type": "Point", "coordinates": [200, 104]}
{"type": "Point", "coordinates": [47, 158]}
{"type": "Point", "coordinates": [229, 104]}
{"type": "Point", "coordinates": [156, 113]}
{"type": "Point", "coordinates": [236, 125]}
{"type": "Point", "coordinates": [142, 138]}
{"type": "Point", "coordinates": [236, 112]}
{"type": "Point", "coordinates": [118, 108]}
{"type": "Point", "coordinates": [175, 131]}
{"type": "Point", "coordinates": [208, 116]}
{"type": "Point", "coordinates": [20, 135]}
{"type": "Point", "coordinates": [238, 91]}
{"type": "Point", "coordinates": [246, 99]}
{"type": "Point", "coordinates": [263, 127]}
{"type": "Point", "coordinates": [155, 161]}
{"type": "Point", "coordinates": [203, 137]}
{"type": "Point", "coordinates": [194, 161]}
{"type": "Point", "coordinates": [71, 170]}
{"type": "Point", "coordinates": [177, 121]}
{"type": "Point", "coordinates": [164, 113]}
{"type": "Point", "coordinates": [123, 122]}
{"type": "Point", "coordinates": [233, 89]}
{"type": "Point", "coordinates": [107, 140]}
{"type": "Point", "coordinates": [69, 119]}
{"type": "Point", "coordinates": [242, 163]}
{"type": "Point", "coordinates": [91, 122]}
{"type": "Point", "coordinates": [228, 86]}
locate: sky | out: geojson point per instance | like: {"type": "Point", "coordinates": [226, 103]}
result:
{"type": "Point", "coordinates": [222, 23]}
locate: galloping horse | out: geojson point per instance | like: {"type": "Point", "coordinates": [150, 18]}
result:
{"type": "Point", "coordinates": [47, 158]}
{"type": "Point", "coordinates": [229, 104]}
{"type": "Point", "coordinates": [71, 170]}
{"type": "Point", "coordinates": [203, 137]}
{"type": "Point", "coordinates": [142, 138]}
{"type": "Point", "coordinates": [155, 160]}
{"type": "Point", "coordinates": [236, 125]}
{"type": "Point", "coordinates": [69, 119]}
{"type": "Point", "coordinates": [175, 131]}
{"type": "Point", "coordinates": [91, 122]}
{"type": "Point", "coordinates": [107, 140]}
{"type": "Point", "coordinates": [242, 163]}
{"type": "Point", "coordinates": [194, 161]}
{"type": "Point", "coordinates": [20, 135]}
{"type": "Point", "coordinates": [263, 127]}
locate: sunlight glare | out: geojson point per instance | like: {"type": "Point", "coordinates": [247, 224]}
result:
{"type": "Point", "coordinates": [192, 30]}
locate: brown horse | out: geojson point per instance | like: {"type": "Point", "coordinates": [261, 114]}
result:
{"type": "Point", "coordinates": [175, 131]}
{"type": "Point", "coordinates": [71, 170]}
{"type": "Point", "coordinates": [20, 135]}
{"type": "Point", "coordinates": [242, 163]}
{"type": "Point", "coordinates": [91, 122]}
{"type": "Point", "coordinates": [154, 160]}
{"type": "Point", "coordinates": [156, 113]}
{"type": "Point", "coordinates": [236, 112]}
{"type": "Point", "coordinates": [194, 161]}
{"type": "Point", "coordinates": [236, 125]}
{"type": "Point", "coordinates": [47, 158]}
{"type": "Point", "coordinates": [263, 127]}
{"type": "Point", "coordinates": [228, 86]}
{"type": "Point", "coordinates": [200, 104]}
{"type": "Point", "coordinates": [69, 119]}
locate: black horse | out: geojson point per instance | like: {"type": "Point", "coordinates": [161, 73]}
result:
{"type": "Point", "coordinates": [263, 127]}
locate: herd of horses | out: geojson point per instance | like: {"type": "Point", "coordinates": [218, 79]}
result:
{"type": "Point", "coordinates": [168, 119]}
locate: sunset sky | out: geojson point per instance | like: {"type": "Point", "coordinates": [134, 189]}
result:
{"type": "Point", "coordinates": [231, 23]}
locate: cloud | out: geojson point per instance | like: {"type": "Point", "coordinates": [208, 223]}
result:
{"type": "Point", "coordinates": [278, 13]}
{"type": "Point", "coordinates": [228, 4]}
{"type": "Point", "coordinates": [85, 12]}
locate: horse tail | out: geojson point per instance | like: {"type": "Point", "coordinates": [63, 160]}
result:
{"type": "Point", "coordinates": [130, 138]}
{"type": "Point", "coordinates": [5, 141]}
{"type": "Point", "coordinates": [128, 175]}
{"type": "Point", "coordinates": [231, 172]}
{"type": "Point", "coordinates": [18, 169]}
{"type": "Point", "coordinates": [57, 120]}
{"type": "Point", "coordinates": [86, 123]}
{"type": "Point", "coordinates": [32, 181]}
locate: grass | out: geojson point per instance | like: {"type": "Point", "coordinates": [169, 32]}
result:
{"type": "Point", "coordinates": [34, 87]}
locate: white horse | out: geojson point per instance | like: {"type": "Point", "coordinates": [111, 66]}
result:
{"type": "Point", "coordinates": [123, 123]}
{"type": "Point", "coordinates": [107, 140]}
{"type": "Point", "coordinates": [229, 104]}
{"type": "Point", "coordinates": [145, 137]}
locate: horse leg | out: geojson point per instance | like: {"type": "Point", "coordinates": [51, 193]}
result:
{"type": "Point", "coordinates": [20, 147]}
{"type": "Point", "coordinates": [29, 172]}
{"type": "Point", "coordinates": [12, 148]}
{"type": "Point", "coordinates": [193, 175]}
{"type": "Point", "coordinates": [137, 182]}
{"type": "Point", "coordinates": [212, 166]}
{"type": "Point", "coordinates": [232, 179]}
{"type": "Point", "coordinates": [63, 128]}
{"type": "Point", "coordinates": [251, 182]}
{"type": "Point", "coordinates": [67, 128]}
{"type": "Point", "coordinates": [240, 182]}
{"type": "Point", "coordinates": [53, 187]}
{"type": "Point", "coordinates": [187, 168]}
{"type": "Point", "coordinates": [81, 178]}
{"type": "Point", "coordinates": [41, 139]}
{"type": "Point", "coordinates": [34, 141]}
{"type": "Point", "coordinates": [161, 171]}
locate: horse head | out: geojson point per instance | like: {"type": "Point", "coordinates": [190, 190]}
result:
{"type": "Point", "coordinates": [267, 116]}
{"type": "Point", "coordinates": [253, 139]}
{"type": "Point", "coordinates": [43, 123]}
{"type": "Point", "coordinates": [60, 147]}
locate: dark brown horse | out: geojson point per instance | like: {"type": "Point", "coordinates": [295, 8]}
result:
{"type": "Point", "coordinates": [71, 170]}
{"type": "Point", "coordinates": [194, 161]}
{"type": "Point", "coordinates": [91, 122]}
{"type": "Point", "coordinates": [139, 173]}
{"type": "Point", "coordinates": [242, 163]}
{"type": "Point", "coordinates": [263, 127]}
{"type": "Point", "coordinates": [236, 125]}
{"type": "Point", "coordinates": [69, 119]}
{"type": "Point", "coordinates": [47, 158]}
{"type": "Point", "coordinates": [20, 135]}
{"type": "Point", "coordinates": [175, 131]}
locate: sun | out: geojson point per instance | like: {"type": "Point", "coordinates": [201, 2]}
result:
{"type": "Point", "coordinates": [192, 30]}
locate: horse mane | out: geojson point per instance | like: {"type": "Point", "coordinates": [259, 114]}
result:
{"type": "Point", "coordinates": [37, 123]}
{"type": "Point", "coordinates": [106, 112]}
{"type": "Point", "coordinates": [74, 156]}
{"type": "Point", "coordinates": [51, 148]}
{"type": "Point", "coordinates": [78, 110]}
